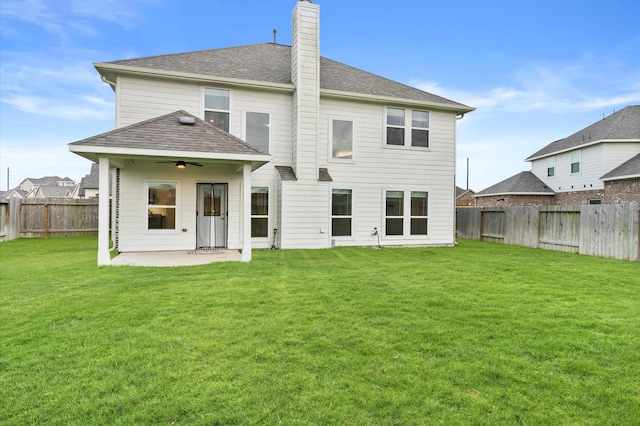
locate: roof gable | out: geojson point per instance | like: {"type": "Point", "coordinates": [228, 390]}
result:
{"type": "Point", "coordinates": [524, 183]}
{"type": "Point", "coordinates": [619, 126]}
{"type": "Point", "coordinates": [271, 63]}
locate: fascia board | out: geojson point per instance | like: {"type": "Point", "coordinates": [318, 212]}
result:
{"type": "Point", "coordinates": [336, 94]}
{"type": "Point", "coordinates": [621, 178]}
{"type": "Point", "coordinates": [198, 78]}
{"type": "Point", "coordinates": [513, 193]}
{"type": "Point", "coordinates": [585, 145]}
{"type": "Point", "coordinates": [138, 152]}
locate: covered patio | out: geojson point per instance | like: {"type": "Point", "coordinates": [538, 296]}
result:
{"type": "Point", "coordinates": [175, 258]}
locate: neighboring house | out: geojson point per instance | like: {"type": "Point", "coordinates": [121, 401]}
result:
{"type": "Point", "coordinates": [13, 193]}
{"type": "Point", "coordinates": [89, 184]}
{"type": "Point", "coordinates": [272, 145]}
{"type": "Point", "coordinates": [465, 197]}
{"type": "Point", "coordinates": [596, 165]}
{"type": "Point", "coordinates": [45, 187]}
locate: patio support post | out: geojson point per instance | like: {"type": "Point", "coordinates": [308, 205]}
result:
{"type": "Point", "coordinates": [104, 257]}
{"type": "Point", "coordinates": [246, 213]}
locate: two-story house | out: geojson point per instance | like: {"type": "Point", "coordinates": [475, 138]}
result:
{"type": "Point", "coordinates": [598, 164]}
{"type": "Point", "coordinates": [270, 145]}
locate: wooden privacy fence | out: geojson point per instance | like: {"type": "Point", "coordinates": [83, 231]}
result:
{"type": "Point", "coordinates": [606, 230]}
{"type": "Point", "coordinates": [48, 217]}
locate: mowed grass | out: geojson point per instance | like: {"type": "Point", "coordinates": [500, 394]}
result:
{"type": "Point", "coordinates": [479, 333]}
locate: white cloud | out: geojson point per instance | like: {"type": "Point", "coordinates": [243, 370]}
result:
{"type": "Point", "coordinates": [77, 108]}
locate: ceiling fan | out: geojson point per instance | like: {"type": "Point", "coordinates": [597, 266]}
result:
{"type": "Point", "coordinates": [181, 164]}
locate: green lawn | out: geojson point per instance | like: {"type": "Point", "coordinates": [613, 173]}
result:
{"type": "Point", "coordinates": [479, 333]}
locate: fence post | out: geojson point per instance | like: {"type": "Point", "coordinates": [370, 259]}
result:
{"type": "Point", "coordinates": [46, 220]}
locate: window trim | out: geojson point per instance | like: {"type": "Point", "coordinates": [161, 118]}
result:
{"type": "Point", "coordinates": [579, 162]}
{"type": "Point", "coordinates": [330, 156]}
{"type": "Point", "coordinates": [204, 103]}
{"type": "Point", "coordinates": [145, 224]}
{"type": "Point", "coordinates": [246, 121]}
{"type": "Point", "coordinates": [408, 129]}
{"type": "Point", "coordinates": [351, 216]}
{"type": "Point", "coordinates": [407, 216]}
{"type": "Point", "coordinates": [261, 216]}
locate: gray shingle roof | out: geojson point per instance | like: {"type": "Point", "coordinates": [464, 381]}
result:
{"type": "Point", "coordinates": [271, 63]}
{"type": "Point", "coordinates": [628, 169]}
{"type": "Point", "coordinates": [622, 125]}
{"type": "Point", "coordinates": [166, 133]}
{"type": "Point", "coordinates": [522, 183]}
{"type": "Point", "coordinates": [323, 175]}
{"type": "Point", "coordinates": [286, 173]}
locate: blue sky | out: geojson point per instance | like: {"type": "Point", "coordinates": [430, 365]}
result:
{"type": "Point", "coordinates": [536, 71]}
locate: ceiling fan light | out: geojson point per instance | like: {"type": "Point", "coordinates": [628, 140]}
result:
{"type": "Point", "coordinates": [181, 164]}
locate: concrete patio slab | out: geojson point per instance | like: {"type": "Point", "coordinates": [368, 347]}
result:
{"type": "Point", "coordinates": [174, 258]}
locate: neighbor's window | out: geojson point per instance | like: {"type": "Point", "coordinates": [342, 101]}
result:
{"type": "Point", "coordinates": [342, 139]}
{"type": "Point", "coordinates": [161, 206]}
{"type": "Point", "coordinates": [394, 224]}
{"type": "Point", "coordinates": [341, 202]}
{"type": "Point", "coordinates": [259, 212]}
{"type": "Point", "coordinates": [575, 162]}
{"type": "Point", "coordinates": [398, 133]}
{"type": "Point", "coordinates": [216, 107]}
{"type": "Point", "coordinates": [551, 166]}
{"type": "Point", "coordinates": [419, 212]}
{"type": "Point", "coordinates": [257, 130]}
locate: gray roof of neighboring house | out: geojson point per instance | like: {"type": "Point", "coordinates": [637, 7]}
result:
{"type": "Point", "coordinates": [167, 133]}
{"type": "Point", "coordinates": [54, 191]}
{"type": "Point", "coordinates": [49, 180]}
{"type": "Point", "coordinates": [627, 170]}
{"type": "Point", "coordinates": [462, 191]}
{"type": "Point", "coordinates": [268, 62]}
{"type": "Point", "coordinates": [522, 183]}
{"type": "Point", "coordinates": [622, 125]}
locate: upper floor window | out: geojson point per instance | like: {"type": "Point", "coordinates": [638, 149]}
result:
{"type": "Point", "coordinates": [342, 139]}
{"type": "Point", "coordinates": [575, 162]}
{"type": "Point", "coordinates": [551, 166]}
{"type": "Point", "coordinates": [257, 130]}
{"type": "Point", "coordinates": [398, 133]}
{"type": "Point", "coordinates": [216, 107]}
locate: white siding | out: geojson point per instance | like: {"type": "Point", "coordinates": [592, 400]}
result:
{"type": "Point", "coordinates": [596, 161]}
{"type": "Point", "coordinates": [134, 235]}
{"type": "Point", "coordinates": [617, 153]}
{"type": "Point", "coordinates": [141, 99]}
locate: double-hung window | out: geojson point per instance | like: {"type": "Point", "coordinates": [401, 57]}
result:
{"type": "Point", "coordinates": [257, 130]}
{"type": "Point", "coordinates": [161, 205]}
{"type": "Point", "coordinates": [260, 212]}
{"type": "Point", "coordinates": [342, 140]}
{"type": "Point", "coordinates": [551, 167]}
{"type": "Point", "coordinates": [419, 212]}
{"type": "Point", "coordinates": [575, 162]}
{"type": "Point", "coordinates": [341, 212]}
{"type": "Point", "coordinates": [415, 213]}
{"type": "Point", "coordinates": [399, 134]}
{"type": "Point", "coordinates": [216, 107]}
{"type": "Point", "coordinates": [394, 223]}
